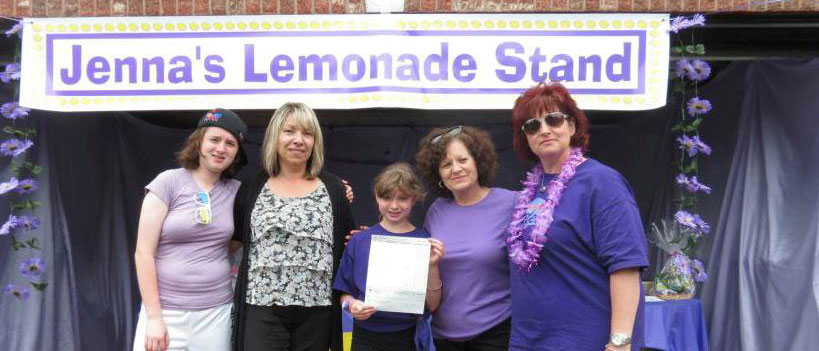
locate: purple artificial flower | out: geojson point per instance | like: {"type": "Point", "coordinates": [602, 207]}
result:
{"type": "Point", "coordinates": [702, 226]}
{"type": "Point", "coordinates": [682, 179]}
{"type": "Point", "coordinates": [699, 271]}
{"type": "Point", "coordinates": [694, 185]}
{"type": "Point", "coordinates": [16, 29]}
{"type": "Point", "coordinates": [8, 186]}
{"type": "Point", "coordinates": [33, 267]}
{"type": "Point", "coordinates": [685, 219]}
{"type": "Point", "coordinates": [15, 147]}
{"type": "Point", "coordinates": [697, 106]}
{"type": "Point", "coordinates": [701, 146]}
{"type": "Point", "coordinates": [10, 224]}
{"type": "Point", "coordinates": [13, 110]}
{"type": "Point", "coordinates": [683, 69]}
{"type": "Point", "coordinates": [700, 70]}
{"type": "Point", "coordinates": [691, 184]}
{"type": "Point", "coordinates": [19, 292]}
{"type": "Point", "coordinates": [687, 144]}
{"type": "Point", "coordinates": [12, 72]}
{"type": "Point", "coordinates": [28, 222]}
{"type": "Point", "coordinates": [681, 22]}
{"type": "Point", "coordinates": [27, 186]}
{"type": "Point", "coordinates": [693, 145]}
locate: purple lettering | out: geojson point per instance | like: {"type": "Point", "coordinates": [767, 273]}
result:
{"type": "Point", "coordinates": [182, 73]}
{"type": "Point", "coordinates": [76, 57]}
{"type": "Point", "coordinates": [96, 65]}
{"type": "Point", "coordinates": [386, 59]}
{"type": "Point", "coordinates": [130, 62]}
{"type": "Point", "coordinates": [250, 67]}
{"type": "Point", "coordinates": [516, 63]}
{"type": "Point", "coordinates": [214, 68]}
{"type": "Point", "coordinates": [346, 67]}
{"type": "Point", "coordinates": [623, 61]}
{"type": "Point", "coordinates": [318, 64]}
{"type": "Point", "coordinates": [536, 59]}
{"type": "Point", "coordinates": [280, 68]}
{"type": "Point", "coordinates": [408, 71]}
{"type": "Point", "coordinates": [562, 73]}
{"type": "Point", "coordinates": [583, 63]}
{"type": "Point", "coordinates": [439, 60]}
{"type": "Point", "coordinates": [463, 68]}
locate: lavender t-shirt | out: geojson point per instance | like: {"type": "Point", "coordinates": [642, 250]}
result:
{"type": "Point", "coordinates": [475, 269]}
{"type": "Point", "coordinates": [192, 266]}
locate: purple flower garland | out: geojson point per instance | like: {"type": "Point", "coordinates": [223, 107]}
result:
{"type": "Point", "coordinates": [526, 253]}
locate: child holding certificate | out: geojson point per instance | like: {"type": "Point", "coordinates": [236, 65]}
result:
{"type": "Point", "coordinates": [396, 189]}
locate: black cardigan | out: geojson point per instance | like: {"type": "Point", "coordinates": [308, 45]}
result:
{"type": "Point", "coordinates": [342, 224]}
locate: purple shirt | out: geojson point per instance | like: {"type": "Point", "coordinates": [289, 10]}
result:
{"type": "Point", "coordinates": [352, 279]}
{"type": "Point", "coordinates": [474, 269]}
{"type": "Point", "coordinates": [564, 303]}
{"type": "Point", "coordinates": [192, 266]}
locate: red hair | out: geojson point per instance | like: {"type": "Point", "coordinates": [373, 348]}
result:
{"type": "Point", "coordinates": [539, 100]}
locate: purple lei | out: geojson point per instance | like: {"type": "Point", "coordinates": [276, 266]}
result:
{"type": "Point", "coordinates": [526, 253]}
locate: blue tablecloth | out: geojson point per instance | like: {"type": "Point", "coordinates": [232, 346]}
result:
{"type": "Point", "coordinates": [670, 326]}
{"type": "Point", "coordinates": [675, 326]}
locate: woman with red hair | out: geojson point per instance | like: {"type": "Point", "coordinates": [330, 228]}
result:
{"type": "Point", "coordinates": [576, 243]}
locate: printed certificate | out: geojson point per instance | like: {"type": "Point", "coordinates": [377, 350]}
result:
{"type": "Point", "coordinates": [397, 274]}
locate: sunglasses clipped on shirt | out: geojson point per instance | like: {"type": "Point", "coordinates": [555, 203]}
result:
{"type": "Point", "coordinates": [552, 119]}
{"type": "Point", "coordinates": [203, 209]}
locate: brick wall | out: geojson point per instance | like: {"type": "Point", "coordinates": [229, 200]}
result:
{"type": "Point", "coordinates": [76, 8]}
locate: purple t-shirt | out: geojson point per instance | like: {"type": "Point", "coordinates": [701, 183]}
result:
{"type": "Point", "coordinates": [474, 269]}
{"type": "Point", "coordinates": [192, 266]}
{"type": "Point", "coordinates": [352, 279]}
{"type": "Point", "coordinates": [564, 303]}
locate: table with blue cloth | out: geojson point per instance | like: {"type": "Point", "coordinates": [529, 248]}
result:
{"type": "Point", "coordinates": [675, 325]}
{"type": "Point", "coordinates": [670, 326]}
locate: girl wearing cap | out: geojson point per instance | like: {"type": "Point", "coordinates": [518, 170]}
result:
{"type": "Point", "coordinates": [292, 218]}
{"type": "Point", "coordinates": [181, 255]}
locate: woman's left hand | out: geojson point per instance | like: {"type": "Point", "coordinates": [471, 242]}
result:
{"type": "Point", "coordinates": [436, 251]}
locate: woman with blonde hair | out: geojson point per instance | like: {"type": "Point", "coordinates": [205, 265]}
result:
{"type": "Point", "coordinates": [292, 218]}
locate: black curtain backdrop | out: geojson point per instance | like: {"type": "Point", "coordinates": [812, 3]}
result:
{"type": "Point", "coordinates": [98, 163]}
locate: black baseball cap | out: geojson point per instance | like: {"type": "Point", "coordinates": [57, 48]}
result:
{"type": "Point", "coordinates": [229, 121]}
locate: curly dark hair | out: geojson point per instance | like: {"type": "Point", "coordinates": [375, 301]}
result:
{"type": "Point", "coordinates": [188, 157]}
{"type": "Point", "coordinates": [538, 100]}
{"type": "Point", "coordinates": [477, 141]}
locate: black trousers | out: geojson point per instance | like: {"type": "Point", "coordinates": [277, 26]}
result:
{"type": "Point", "coordinates": [366, 340]}
{"type": "Point", "coordinates": [494, 339]}
{"type": "Point", "coordinates": [287, 328]}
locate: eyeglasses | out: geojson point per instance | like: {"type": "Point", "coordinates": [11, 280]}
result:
{"type": "Point", "coordinates": [452, 131]}
{"type": "Point", "coordinates": [203, 211]}
{"type": "Point", "coordinates": [553, 119]}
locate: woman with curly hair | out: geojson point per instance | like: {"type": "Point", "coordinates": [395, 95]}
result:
{"type": "Point", "coordinates": [470, 219]}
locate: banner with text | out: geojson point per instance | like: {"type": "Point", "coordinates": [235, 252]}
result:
{"type": "Point", "coordinates": [451, 61]}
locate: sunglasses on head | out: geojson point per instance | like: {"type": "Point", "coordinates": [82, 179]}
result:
{"type": "Point", "coordinates": [552, 119]}
{"type": "Point", "coordinates": [452, 131]}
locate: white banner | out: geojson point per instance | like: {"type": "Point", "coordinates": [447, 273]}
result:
{"type": "Point", "coordinates": [446, 61]}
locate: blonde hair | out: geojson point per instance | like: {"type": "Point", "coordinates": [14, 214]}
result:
{"type": "Point", "coordinates": [303, 116]}
{"type": "Point", "coordinates": [398, 176]}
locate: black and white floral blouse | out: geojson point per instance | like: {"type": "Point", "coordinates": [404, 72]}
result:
{"type": "Point", "coordinates": [291, 250]}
